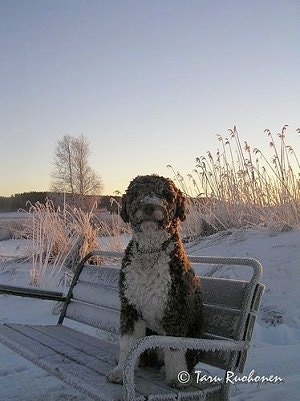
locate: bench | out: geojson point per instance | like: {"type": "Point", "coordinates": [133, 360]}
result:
{"type": "Point", "coordinates": [83, 360]}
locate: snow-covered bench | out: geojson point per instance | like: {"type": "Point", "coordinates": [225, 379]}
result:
{"type": "Point", "coordinates": [83, 360]}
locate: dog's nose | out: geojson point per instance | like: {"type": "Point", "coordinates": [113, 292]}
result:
{"type": "Point", "coordinates": [149, 209]}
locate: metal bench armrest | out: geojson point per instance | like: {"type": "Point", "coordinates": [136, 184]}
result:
{"type": "Point", "coordinates": [179, 343]}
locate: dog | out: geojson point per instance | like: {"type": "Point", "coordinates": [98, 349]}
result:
{"type": "Point", "coordinates": [159, 290]}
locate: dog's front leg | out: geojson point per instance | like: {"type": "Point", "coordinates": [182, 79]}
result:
{"type": "Point", "coordinates": [126, 342]}
{"type": "Point", "coordinates": [175, 362]}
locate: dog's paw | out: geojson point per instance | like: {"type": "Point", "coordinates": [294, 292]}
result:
{"type": "Point", "coordinates": [115, 376]}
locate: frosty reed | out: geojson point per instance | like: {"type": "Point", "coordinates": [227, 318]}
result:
{"type": "Point", "coordinates": [240, 186]}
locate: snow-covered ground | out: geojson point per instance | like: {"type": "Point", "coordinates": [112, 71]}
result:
{"type": "Point", "coordinates": [274, 351]}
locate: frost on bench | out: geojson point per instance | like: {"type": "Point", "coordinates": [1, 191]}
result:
{"type": "Point", "coordinates": [230, 309]}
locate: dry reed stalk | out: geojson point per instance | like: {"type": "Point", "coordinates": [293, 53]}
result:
{"type": "Point", "coordinates": [241, 187]}
{"type": "Point", "coordinates": [60, 238]}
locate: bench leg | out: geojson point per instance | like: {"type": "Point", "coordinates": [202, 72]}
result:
{"type": "Point", "coordinates": [225, 392]}
{"type": "Point", "coordinates": [126, 342]}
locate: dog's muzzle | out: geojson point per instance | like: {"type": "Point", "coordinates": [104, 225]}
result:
{"type": "Point", "coordinates": [150, 209]}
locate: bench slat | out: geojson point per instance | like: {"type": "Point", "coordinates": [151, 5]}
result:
{"type": "Point", "coordinates": [101, 275]}
{"type": "Point", "coordinates": [221, 321]}
{"type": "Point", "coordinates": [223, 291]}
{"type": "Point", "coordinates": [13, 340]}
{"type": "Point", "coordinates": [100, 317]}
{"type": "Point", "coordinates": [98, 295]}
{"type": "Point", "coordinates": [81, 341]}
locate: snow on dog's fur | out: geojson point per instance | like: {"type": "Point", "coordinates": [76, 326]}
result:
{"type": "Point", "coordinates": [158, 288]}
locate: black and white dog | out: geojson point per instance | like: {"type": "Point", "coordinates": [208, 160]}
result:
{"type": "Point", "coordinates": [158, 288]}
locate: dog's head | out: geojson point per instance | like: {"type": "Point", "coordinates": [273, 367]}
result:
{"type": "Point", "coordinates": [154, 199]}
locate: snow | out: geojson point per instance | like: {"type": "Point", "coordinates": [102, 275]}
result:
{"type": "Point", "coordinates": [275, 349]}
{"type": "Point", "coordinates": [14, 248]}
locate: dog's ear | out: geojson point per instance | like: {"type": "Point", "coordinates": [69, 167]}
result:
{"type": "Point", "coordinates": [123, 212]}
{"type": "Point", "coordinates": [181, 208]}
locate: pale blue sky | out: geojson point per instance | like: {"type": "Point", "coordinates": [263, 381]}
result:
{"type": "Point", "coordinates": [149, 83]}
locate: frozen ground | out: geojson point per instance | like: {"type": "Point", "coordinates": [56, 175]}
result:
{"type": "Point", "coordinates": [275, 349]}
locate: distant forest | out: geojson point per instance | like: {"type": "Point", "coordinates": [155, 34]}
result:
{"type": "Point", "coordinates": [24, 200]}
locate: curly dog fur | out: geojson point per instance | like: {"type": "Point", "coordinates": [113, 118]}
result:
{"type": "Point", "coordinates": [158, 288]}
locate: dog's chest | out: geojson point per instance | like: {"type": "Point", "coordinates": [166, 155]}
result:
{"type": "Point", "coordinates": [147, 286]}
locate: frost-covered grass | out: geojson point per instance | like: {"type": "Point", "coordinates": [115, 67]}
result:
{"type": "Point", "coordinates": [60, 238]}
{"type": "Point", "coordinates": [240, 186]}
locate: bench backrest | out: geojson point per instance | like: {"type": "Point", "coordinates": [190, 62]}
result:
{"type": "Point", "coordinates": [230, 306]}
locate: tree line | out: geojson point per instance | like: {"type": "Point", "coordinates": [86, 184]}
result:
{"type": "Point", "coordinates": [24, 200]}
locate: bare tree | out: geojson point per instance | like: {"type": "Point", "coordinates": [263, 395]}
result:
{"type": "Point", "coordinates": [72, 173]}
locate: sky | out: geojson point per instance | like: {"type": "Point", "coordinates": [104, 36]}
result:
{"type": "Point", "coordinates": [148, 83]}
